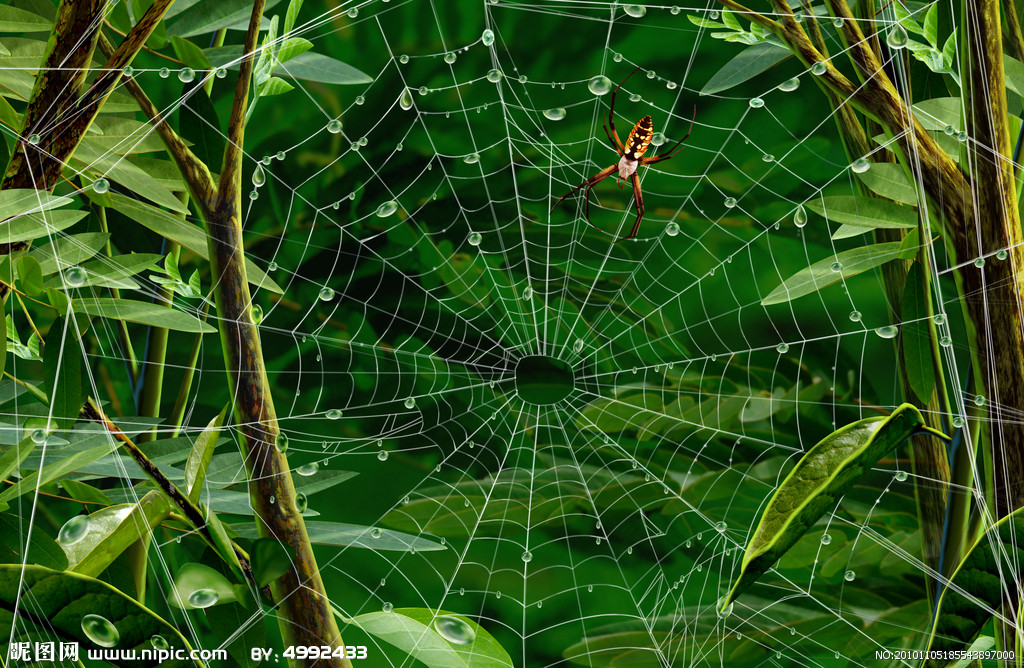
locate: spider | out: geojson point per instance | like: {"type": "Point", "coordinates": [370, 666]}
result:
{"type": "Point", "coordinates": [631, 157]}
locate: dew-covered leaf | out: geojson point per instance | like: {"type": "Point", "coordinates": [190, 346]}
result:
{"type": "Point", "coordinates": [144, 313]}
{"type": "Point", "coordinates": [888, 180]}
{"type": "Point", "coordinates": [832, 269]}
{"type": "Point", "coordinates": [206, 17]}
{"type": "Point", "coordinates": [864, 212]}
{"type": "Point", "coordinates": [308, 66]}
{"type": "Point", "coordinates": [437, 638]}
{"type": "Point", "coordinates": [746, 65]}
{"type": "Point", "coordinates": [113, 530]}
{"type": "Point", "coordinates": [38, 225]}
{"type": "Point", "coordinates": [199, 458]}
{"type": "Point", "coordinates": [355, 535]}
{"type": "Point", "coordinates": [59, 600]}
{"type": "Point", "coordinates": [198, 586]}
{"type": "Point", "coordinates": [820, 478]}
{"type": "Point", "coordinates": [66, 251]}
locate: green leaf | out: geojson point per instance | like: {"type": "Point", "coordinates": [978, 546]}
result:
{"type": "Point", "coordinates": [62, 371]}
{"type": "Point", "coordinates": [70, 250]}
{"type": "Point", "coordinates": [17, 20]}
{"type": "Point", "coordinates": [746, 65]}
{"type": "Point", "coordinates": [930, 30]}
{"type": "Point", "coordinates": [144, 313]}
{"type": "Point", "coordinates": [185, 234]}
{"type": "Point", "coordinates": [355, 535]}
{"type": "Point", "coordinates": [80, 491]}
{"type": "Point", "coordinates": [190, 54]}
{"type": "Point", "coordinates": [270, 560]}
{"type": "Point", "coordinates": [206, 17]}
{"type": "Point", "coordinates": [817, 482]}
{"type": "Point", "coordinates": [59, 301]}
{"type": "Point", "coordinates": [42, 549]}
{"type": "Point", "coordinates": [275, 86]}
{"type": "Point", "coordinates": [59, 600]}
{"type": "Point", "coordinates": [113, 530]}
{"type": "Point", "coordinates": [198, 122]}
{"type": "Point", "coordinates": [291, 15]}
{"type": "Point", "coordinates": [308, 66]}
{"type": "Point", "coordinates": [199, 458]}
{"type": "Point", "coordinates": [23, 201]}
{"type": "Point", "coordinates": [978, 586]}
{"type": "Point", "coordinates": [116, 168]}
{"type": "Point", "coordinates": [705, 23]}
{"type": "Point", "coordinates": [193, 577]}
{"type": "Point", "coordinates": [937, 113]}
{"type": "Point", "coordinates": [864, 212]}
{"type": "Point", "coordinates": [51, 472]}
{"type": "Point", "coordinates": [292, 47]}
{"type": "Point", "coordinates": [821, 274]}
{"type": "Point", "coordinates": [888, 180]}
{"type": "Point", "coordinates": [730, 20]}
{"type": "Point", "coordinates": [13, 456]}
{"type": "Point", "coordinates": [414, 631]}
{"type": "Point", "coordinates": [916, 336]}
{"type": "Point", "coordinates": [30, 274]}
{"type": "Point", "coordinates": [38, 225]}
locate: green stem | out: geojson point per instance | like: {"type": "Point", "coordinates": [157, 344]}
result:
{"type": "Point", "coordinates": [122, 326]}
{"type": "Point", "coordinates": [178, 413]}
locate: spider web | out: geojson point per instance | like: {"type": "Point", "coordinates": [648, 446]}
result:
{"type": "Point", "coordinates": [432, 302]}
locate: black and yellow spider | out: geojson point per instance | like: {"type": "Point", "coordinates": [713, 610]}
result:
{"type": "Point", "coordinates": [631, 157]}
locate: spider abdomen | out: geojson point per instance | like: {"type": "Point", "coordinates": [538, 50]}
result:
{"type": "Point", "coordinates": [639, 138]}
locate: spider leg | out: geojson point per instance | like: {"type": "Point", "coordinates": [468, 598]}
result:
{"type": "Point", "coordinates": [614, 145]}
{"type": "Point", "coordinates": [589, 183]}
{"type": "Point", "coordinates": [611, 112]}
{"type": "Point", "coordinates": [639, 197]}
{"type": "Point", "coordinates": [671, 153]}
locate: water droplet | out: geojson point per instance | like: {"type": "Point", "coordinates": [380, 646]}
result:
{"type": "Point", "coordinates": [382, 455]}
{"type": "Point", "coordinates": [527, 293]}
{"type": "Point", "coordinates": [675, 10]}
{"type": "Point", "coordinates": [405, 100]}
{"type": "Point", "coordinates": [887, 331]}
{"type": "Point", "coordinates": [258, 177]}
{"type": "Point", "coordinates": [800, 216]}
{"type": "Point", "coordinates": [450, 57]}
{"type": "Point", "coordinates": [75, 277]}
{"type": "Point", "coordinates": [949, 130]}
{"type": "Point", "coordinates": [651, 74]}
{"type": "Point", "coordinates": [961, 136]}
{"type": "Point", "coordinates": [494, 76]}
{"type": "Point", "coordinates": [186, 74]}
{"type": "Point", "coordinates": [836, 267]}
{"type": "Point", "coordinates": [756, 103]}
{"type": "Point", "coordinates": [33, 139]}
{"type": "Point", "coordinates": [901, 476]}
{"type": "Point", "coordinates": [818, 68]}
{"type": "Point", "coordinates": [590, 588]}
{"type": "Point", "coordinates": [387, 208]}
{"type": "Point", "coordinates": [958, 422]}
{"type": "Point", "coordinates": [220, 73]}
{"type": "Point", "coordinates": [334, 126]}
{"type": "Point", "coordinates": [100, 630]}
{"type": "Point", "coordinates": [387, 607]}
{"type": "Point", "coordinates": [164, 72]}
{"type": "Point", "coordinates": [849, 576]}
{"type": "Point", "coordinates": [768, 157]}
{"type": "Point", "coordinates": [254, 194]}
{"type": "Point", "coordinates": [203, 598]}
{"type": "Point", "coordinates": [720, 526]}
{"type": "Point", "coordinates": [74, 529]}
{"type": "Point", "coordinates": [724, 611]}
{"type": "Point", "coordinates": [101, 185]}
{"type": "Point", "coordinates": [939, 319]}
{"type": "Point", "coordinates": [979, 400]}
{"type": "Point", "coordinates": [527, 556]}
{"type": "Point", "coordinates": [855, 316]}
{"type": "Point", "coordinates": [471, 159]}
{"type": "Point", "coordinates": [307, 470]}
{"type": "Point", "coordinates": [1002, 254]}
{"type": "Point", "coordinates": [714, 15]}
{"type": "Point", "coordinates": [730, 202]}
{"type": "Point", "coordinates": [301, 502]}
{"type": "Point", "coordinates": [945, 341]}
{"type": "Point", "coordinates": [256, 313]}
{"type": "Point", "coordinates": [672, 229]}
{"type": "Point", "coordinates": [272, 266]}
{"type": "Point", "coordinates": [599, 85]}
{"type": "Point", "coordinates": [838, 21]}
{"type": "Point", "coordinates": [979, 262]}
{"type": "Point", "coordinates": [578, 346]}
{"type": "Point", "coordinates": [860, 165]}
{"type": "Point", "coordinates": [487, 38]}
{"type": "Point", "coordinates": [897, 37]}
{"type": "Point", "coordinates": [403, 59]}
{"type": "Point", "coordinates": [376, 533]}
{"type": "Point", "coordinates": [636, 11]}
{"type": "Point", "coordinates": [789, 85]}
{"type": "Point", "coordinates": [158, 642]}
{"type": "Point", "coordinates": [454, 630]}
{"type": "Point", "coordinates": [281, 442]}
{"type": "Point", "coordinates": [826, 539]}
{"type": "Point", "coordinates": [555, 114]}
{"type": "Point", "coordinates": [782, 348]}
{"type": "Point", "coordinates": [352, 13]}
